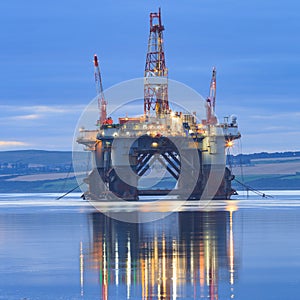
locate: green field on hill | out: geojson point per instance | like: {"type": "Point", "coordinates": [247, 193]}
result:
{"type": "Point", "coordinates": [34, 171]}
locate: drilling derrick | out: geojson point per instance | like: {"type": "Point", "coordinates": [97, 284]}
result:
{"type": "Point", "coordinates": [156, 72]}
{"type": "Point", "coordinates": [211, 100]}
{"type": "Point", "coordinates": [99, 89]}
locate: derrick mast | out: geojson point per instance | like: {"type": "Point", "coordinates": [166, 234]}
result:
{"type": "Point", "coordinates": [156, 72]}
{"type": "Point", "coordinates": [211, 100]}
{"type": "Point", "coordinates": [99, 89]}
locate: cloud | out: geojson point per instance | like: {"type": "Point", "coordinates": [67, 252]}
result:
{"type": "Point", "coordinates": [9, 144]}
{"type": "Point", "coordinates": [53, 109]}
{"type": "Point", "coordinates": [37, 114]}
{"type": "Point", "coordinates": [279, 116]}
{"type": "Point", "coordinates": [43, 109]}
{"type": "Point", "coordinates": [27, 117]}
{"type": "Point", "coordinates": [268, 141]}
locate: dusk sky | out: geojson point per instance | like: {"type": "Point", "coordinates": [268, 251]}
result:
{"type": "Point", "coordinates": [47, 48]}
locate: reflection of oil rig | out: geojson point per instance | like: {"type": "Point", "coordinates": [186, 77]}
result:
{"type": "Point", "coordinates": [190, 254]}
{"type": "Point", "coordinates": [184, 147]}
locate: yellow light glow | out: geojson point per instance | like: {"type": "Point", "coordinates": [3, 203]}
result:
{"type": "Point", "coordinates": [229, 144]}
{"type": "Point", "coordinates": [231, 205]}
{"type": "Point", "coordinates": [154, 145]}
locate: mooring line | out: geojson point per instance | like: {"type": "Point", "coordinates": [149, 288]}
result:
{"type": "Point", "coordinates": [253, 190]}
{"type": "Point", "coordinates": [62, 196]}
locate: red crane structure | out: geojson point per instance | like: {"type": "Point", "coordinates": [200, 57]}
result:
{"type": "Point", "coordinates": [99, 89]}
{"type": "Point", "coordinates": [156, 72]}
{"type": "Point", "coordinates": [211, 100]}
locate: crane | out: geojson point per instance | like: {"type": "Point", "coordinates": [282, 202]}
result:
{"type": "Point", "coordinates": [99, 89]}
{"type": "Point", "coordinates": [211, 100]}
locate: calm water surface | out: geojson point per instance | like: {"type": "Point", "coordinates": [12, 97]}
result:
{"type": "Point", "coordinates": [238, 249]}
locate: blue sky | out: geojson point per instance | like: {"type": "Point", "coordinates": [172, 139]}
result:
{"type": "Point", "coordinates": [47, 47]}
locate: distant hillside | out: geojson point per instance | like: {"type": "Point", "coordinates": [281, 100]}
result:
{"type": "Point", "coordinates": [52, 171]}
{"type": "Point", "coordinates": [247, 158]}
{"type": "Point", "coordinates": [36, 157]}
{"type": "Point", "coordinates": [267, 171]}
{"type": "Point", "coordinates": [65, 157]}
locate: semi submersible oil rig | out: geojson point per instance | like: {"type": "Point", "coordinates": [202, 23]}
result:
{"type": "Point", "coordinates": [185, 148]}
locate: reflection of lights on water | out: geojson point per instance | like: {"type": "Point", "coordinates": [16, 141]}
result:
{"type": "Point", "coordinates": [192, 262]}
{"type": "Point", "coordinates": [143, 277]}
{"type": "Point", "coordinates": [152, 264]}
{"type": "Point", "coordinates": [117, 261]}
{"type": "Point", "coordinates": [207, 260]}
{"type": "Point", "coordinates": [231, 253]}
{"type": "Point", "coordinates": [146, 266]}
{"type": "Point", "coordinates": [81, 269]}
{"type": "Point", "coordinates": [104, 279]}
{"type": "Point", "coordinates": [128, 268]}
{"type": "Point", "coordinates": [164, 276]}
{"type": "Point", "coordinates": [156, 254]}
{"type": "Point", "coordinates": [213, 271]}
{"type": "Point", "coordinates": [231, 206]}
{"type": "Point", "coordinates": [159, 292]}
{"type": "Point", "coordinates": [174, 275]}
{"type": "Point", "coordinates": [231, 250]}
{"type": "Point", "coordinates": [232, 293]}
{"type": "Point", "coordinates": [166, 264]}
{"type": "Point", "coordinates": [202, 275]}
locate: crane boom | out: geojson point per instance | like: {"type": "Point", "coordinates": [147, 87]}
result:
{"type": "Point", "coordinates": [211, 100]}
{"type": "Point", "coordinates": [99, 89]}
{"type": "Point", "coordinates": [213, 87]}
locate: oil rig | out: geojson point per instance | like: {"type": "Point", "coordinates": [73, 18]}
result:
{"type": "Point", "coordinates": [190, 152]}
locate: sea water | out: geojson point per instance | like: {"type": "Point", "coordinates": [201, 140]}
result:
{"type": "Point", "coordinates": [244, 248]}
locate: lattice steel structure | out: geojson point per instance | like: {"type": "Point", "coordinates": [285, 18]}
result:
{"type": "Point", "coordinates": [156, 72]}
